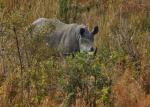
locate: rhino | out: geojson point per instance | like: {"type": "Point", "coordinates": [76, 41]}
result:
{"type": "Point", "coordinates": [66, 38]}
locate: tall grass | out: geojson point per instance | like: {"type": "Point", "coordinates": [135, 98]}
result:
{"type": "Point", "coordinates": [118, 76]}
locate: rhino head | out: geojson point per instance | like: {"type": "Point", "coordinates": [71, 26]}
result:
{"type": "Point", "coordinates": [86, 40]}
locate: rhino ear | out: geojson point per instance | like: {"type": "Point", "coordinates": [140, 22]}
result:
{"type": "Point", "coordinates": [95, 31]}
{"type": "Point", "coordinates": [82, 30]}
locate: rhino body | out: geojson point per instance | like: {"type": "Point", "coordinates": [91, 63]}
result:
{"type": "Point", "coordinates": [66, 38]}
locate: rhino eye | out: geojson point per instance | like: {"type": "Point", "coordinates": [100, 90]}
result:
{"type": "Point", "coordinates": [82, 30]}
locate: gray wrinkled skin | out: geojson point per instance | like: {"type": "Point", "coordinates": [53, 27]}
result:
{"type": "Point", "coordinates": [66, 38]}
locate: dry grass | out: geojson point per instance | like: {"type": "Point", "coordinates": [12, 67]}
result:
{"type": "Point", "coordinates": [33, 9]}
{"type": "Point", "coordinates": [123, 26]}
{"type": "Point", "coordinates": [129, 93]}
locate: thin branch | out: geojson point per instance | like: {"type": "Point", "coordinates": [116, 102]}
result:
{"type": "Point", "coordinates": [20, 62]}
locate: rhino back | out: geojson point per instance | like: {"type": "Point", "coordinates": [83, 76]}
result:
{"type": "Point", "coordinates": [64, 38]}
{"type": "Point", "coordinates": [42, 26]}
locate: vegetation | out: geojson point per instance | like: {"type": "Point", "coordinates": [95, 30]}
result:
{"type": "Point", "coordinates": [33, 75]}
